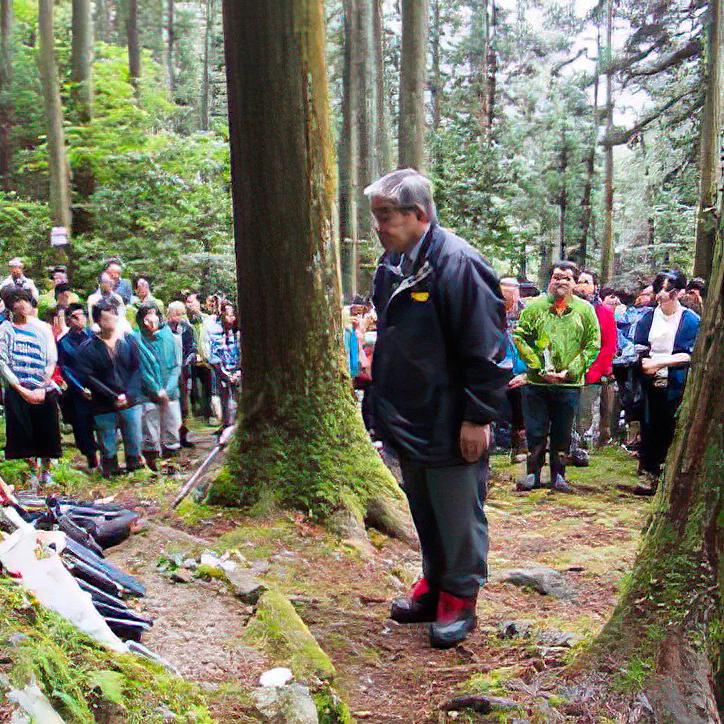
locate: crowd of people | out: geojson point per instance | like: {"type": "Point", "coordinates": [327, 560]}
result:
{"type": "Point", "coordinates": [451, 361]}
{"type": "Point", "coordinates": [114, 368]}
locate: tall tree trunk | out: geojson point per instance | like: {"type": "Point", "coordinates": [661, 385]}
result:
{"type": "Point", "coordinates": [491, 68]}
{"type": "Point", "coordinates": [348, 157]}
{"type": "Point", "coordinates": [479, 55]}
{"type": "Point", "coordinates": [82, 59]}
{"type": "Point", "coordinates": [709, 168]}
{"type": "Point", "coordinates": [102, 20]}
{"type": "Point", "coordinates": [171, 42]}
{"type": "Point", "coordinates": [413, 75]}
{"type": "Point", "coordinates": [58, 169]}
{"type": "Point", "coordinates": [134, 46]}
{"type": "Point", "coordinates": [586, 204]}
{"type": "Point", "coordinates": [382, 125]}
{"type": "Point", "coordinates": [6, 104]}
{"type": "Point", "coordinates": [546, 258]}
{"type": "Point", "coordinates": [562, 196]}
{"type": "Point", "coordinates": [300, 439]}
{"type": "Point", "coordinates": [649, 200]}
{"type": "Point", "coordinates": [205, 120]}
{"type": "Point", "coordinates": [670, 614]}
{"type": "Point", "coordinates": [436, 83]}
{"type": "Point", "coordinates": [607, 252]}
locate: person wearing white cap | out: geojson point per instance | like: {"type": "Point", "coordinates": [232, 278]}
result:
{"type": "Point", "coordinates": [18, 279]}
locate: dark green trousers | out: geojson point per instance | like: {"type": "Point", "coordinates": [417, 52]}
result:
{"type": "Point", "coordinates": [447, 509]}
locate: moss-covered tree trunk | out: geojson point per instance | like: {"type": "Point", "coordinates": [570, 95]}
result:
{"type": "Point", "coordinates": [6, 105]}
{"type": "Point", "coordinates": [82, 59]}
{"type": "Point", "coordinates": [669, 619]}
{"type": "Point", "coordinates": [300, 439]}
{"type": "Point", "coordinates": [58, 169]}
{"type": "Point", "coordinates": [413, 79]}
{"type": "Point", "coordinates": [709, 146]}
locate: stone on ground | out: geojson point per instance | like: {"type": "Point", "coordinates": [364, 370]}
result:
{"type": "Point", "coordinates": [290, 704]}
{"type": "Point", "coordinates": [542, 579]}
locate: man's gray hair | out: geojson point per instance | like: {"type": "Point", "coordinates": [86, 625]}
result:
{"type": "Point", "coordinates": [405, 187]}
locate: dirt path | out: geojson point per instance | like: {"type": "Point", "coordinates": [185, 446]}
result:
{"type": "Point", "coordinates": [386, 672]}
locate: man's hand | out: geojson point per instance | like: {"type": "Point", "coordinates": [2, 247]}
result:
{"type": "Point", "coordinates": [518, 381]}
{"type": "Point", "coordinates": [163, 397]}
{"type": "Point", "coordinates": [36, 397]}
{"type": "Point", "coordinates": [121, 402]}
{"type": "Point", "coordinates": [474, 441]}
{"type": "Point", "coordinates": [87, 393]}
{"type": "Point", "coordinates": [555, 378]}
{"type": "Point", "coordinates": [649, 367]}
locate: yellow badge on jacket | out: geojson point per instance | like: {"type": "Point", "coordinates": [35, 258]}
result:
{"type": "Point", "coordinates": [420, 296]}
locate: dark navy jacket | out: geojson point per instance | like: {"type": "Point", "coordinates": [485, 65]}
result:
{"type": "Point", "coordinates": [683, 342]}
{"type": "Point", "coordinates": [440, 336]}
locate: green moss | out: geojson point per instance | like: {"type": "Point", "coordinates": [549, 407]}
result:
{"type": "Point", "coordinates": [632, 677]}
{"type": "Point", "coordinates": [278, 630]}
{"type": "Point", "coordinates": [79, 677]}
{"type": "Point", "coordinates": [209, 572]}
{"type": "Point", "coordinates": [492, 682]}
{"type": "Point", "coordinates": [330, 707]}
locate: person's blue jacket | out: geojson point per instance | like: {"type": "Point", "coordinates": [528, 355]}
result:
{"type": "Point", "coordinates": [351, 347]}
{"type": "Point", "coordinates": [68, 347]}
{"type": "Point", "coordinates": [440, 339]}
{"type": "Point", "coordinates": [683, 342]}
{"type": "Point", "coordinates": [160, 363]}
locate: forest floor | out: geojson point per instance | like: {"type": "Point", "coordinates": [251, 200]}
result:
{"type": "Point", "coordinates": [385, 672]}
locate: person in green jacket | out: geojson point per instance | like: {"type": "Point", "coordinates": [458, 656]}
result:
{"type": "Point", "coordinates": [558, 338]}
{"type": "Point", "coordinates": [160, 370]}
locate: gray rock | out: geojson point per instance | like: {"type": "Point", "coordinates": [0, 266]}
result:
{"type": "Point", "coordinates": [246, 588]}
{"type": "Point", "coordinates": [291, 704]}
{"type": "Point", "coordinates": [259, 568]}
{"type": "Point", "coordinates": [554, 637]}
{"type": "Point", "coordinates": [182, 575]}
{"type": "Point", "coordinates": [546, 581]}
{"type": "Point", "coordinates": [514, 629]}
{"type": "Point", "coordinates": [480, 704]}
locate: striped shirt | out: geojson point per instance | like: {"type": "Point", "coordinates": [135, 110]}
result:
{"type": "Point", "coordinates": [26, 356]}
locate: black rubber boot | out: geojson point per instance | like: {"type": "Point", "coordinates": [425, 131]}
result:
{"type": "Point", "coordinates": [92, 460]}
{"type": "Point", "coordinates": [184, 436]}
{"type": "Point", "coordinates": [133, 463]}
{"type": "Point", "coordinates": [419, 607]}
{"type": "Point", "coordinates": [109, 467]}
{"type": "Point", "coordinates": [151, 456]}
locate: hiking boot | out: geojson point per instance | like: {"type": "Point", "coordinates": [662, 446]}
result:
{"type": "Point", "coordinates": [419, 607]}
{"type": "Point", "coordinates": [455, 620]}
{"type": "Point", "coordinates": [560, 485]}
{"type": "Point", "coordinates": [647, 486]}
{"type": "Point", "coordinates": [579, 458]}
{"type": "Point", "coordinates": [530, 482]}
{"type": "Point", "coordinates": [151, 456]}
{"type": "Point", "coordinates": [133, 463]}
{"type": "Point", "coordinates": [92, 461]}
{"type": "Point", "coordinates": [109, 467]}
{"type": "Point", "coordinates": [184, 438]}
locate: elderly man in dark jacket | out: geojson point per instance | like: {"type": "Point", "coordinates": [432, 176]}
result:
{"type": "Point", "coordinates": [436, 387]}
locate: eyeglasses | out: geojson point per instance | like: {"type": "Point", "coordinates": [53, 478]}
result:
{"type": "Point", "coordinates": [562, 278]}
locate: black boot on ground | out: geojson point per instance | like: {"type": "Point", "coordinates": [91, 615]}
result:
{"type": "Point", "coordinates": [184, 437]}
{"type": "Point", "coordinates": [151, 457]}
{"type": "Point", "coordinates": [92, 461]}
{"type": "Point", "coordinates": [455, 620]}
{"type": "Point", "coordinates": [648, 485]}
{"type": "Point", "coordinates": [110, 467]}
{"type": "Point", "coordinates": [134, 463]}
{"type": "Point", "coordinates": [419, 607]}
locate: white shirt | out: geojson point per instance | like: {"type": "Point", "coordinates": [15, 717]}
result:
{"type": "Point", "coordinates": [93, 299]}
{"type": "Point", "coordinates": [662, 335]}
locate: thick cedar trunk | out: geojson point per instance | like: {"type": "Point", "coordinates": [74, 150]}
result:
{"type": "Point", "coordinates": [6, 105]}
{"type": "Point", "coordinates": [300, 439]}
{"type": "Point", "coordinates": [436, 81]}
{"type": "Point", "coordinates": [82, 59]}
{"type": "Point", "coordinates": [205, 120]}
{"type": "Point", "coordinates": [413, 75]}
{"type": "Point", "coordinates": [348, 158]}
{"type": "Point", "coordinates": [709, 167]}
{"type": "Point", "coordinates": [134, 46]}
{"type": "Point", "coordinates": [671, 609]}
{"type": "Point", "coordinates": [58, 170]}
{"type": "Point", "coordinates": [382, 126]}
{"type": "Point", "coordinates": [607, 255]}
{"type": "Point", "coordinates": [586, 206]}
{"type": "Point", "coordinates": [170, 47]}
{"type": "Point", "coordinates": [562, 197]}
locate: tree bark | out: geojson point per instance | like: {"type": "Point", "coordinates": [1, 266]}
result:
{"type": "Point", "coordinates": [709, 145]}
{"type": "Point", "coordinates": [205, 111]}
{"type": "Point", "coordinates": [171, 43]}
{"type": "Point", "coordinates": [300, 439]}
{"type": "Point", "coordinates": [492, 68]}
{"type": "Point", "coordinates": [6, 104]}
{"type": "Point", "coordinates": [436, 83]}
{"type": "Point", "coordinates": [134, 46]}
{"type": "Point", "coordinates": [382, 126]}
{"type": "Point", "coordinates": [413, 75]}
{"type": "Point", "coordinates": [479, 55]}
{"type": "Point", "coordinates": [58, 169]}
{"type": "Point", "coordinates": [562, 196]}
{"type": "Point", "coordinates": [82, 59]}
{"type": "Point", "coordinates": [607, 251]}
{"type": "Point", "coordinates": [670, 612]}
{"type": "Point", "coordinates": [102, 20]}
{"type": "Point", "coordinates": [348, 157]}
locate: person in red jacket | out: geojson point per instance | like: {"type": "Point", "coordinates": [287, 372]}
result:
{"type": "Point", "coordinates": [588, 418]}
